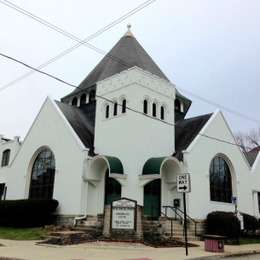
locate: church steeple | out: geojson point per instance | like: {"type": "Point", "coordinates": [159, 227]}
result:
{"type": "Point", "coordinates": [126, 54]}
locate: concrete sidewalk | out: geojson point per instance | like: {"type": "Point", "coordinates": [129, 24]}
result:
{"type": "Point", "coordinates": [29, 250]}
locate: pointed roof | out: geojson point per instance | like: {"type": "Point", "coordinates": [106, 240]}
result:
{"type": "Point", "coordinates": [125, 54]}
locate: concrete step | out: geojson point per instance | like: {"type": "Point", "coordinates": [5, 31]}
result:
{"type": "Point", "coordinates": [84, 229]}
{"type": "Point", "coordinates": [88, 223]}
{"type": "Point", "coordinates": [92, 218]}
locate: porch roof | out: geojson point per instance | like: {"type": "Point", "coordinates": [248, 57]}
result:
{"type": "Point", "coordinates": [153, 165]}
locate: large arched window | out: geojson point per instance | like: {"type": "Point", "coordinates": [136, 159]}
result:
{"type": "Point", "coordinates": [43, 174]}
{"type": "Point", "coordinates": [220, 181]}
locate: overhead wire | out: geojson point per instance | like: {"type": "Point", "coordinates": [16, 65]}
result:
{"type": "Point", "coordinates": [80, 42]}
{"type": "Point", "coordinates": [84, 42]}
{"type": "Point", "coordinates": [108, 100]}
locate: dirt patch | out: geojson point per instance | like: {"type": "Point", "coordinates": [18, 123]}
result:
{"type": "Point", "coordinates": [153, 240]}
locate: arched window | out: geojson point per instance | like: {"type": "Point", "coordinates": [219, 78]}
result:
{"type": "Point", "coordinates": [123, 106]}
{"type": "Point", "coordinates": [162, 112]}
{"type": "Point", "coordinates": [6, 157]}
{"type": "Point", "coordinates": [107, 111]}
{"type": "Point", "coordinates": [74, 101]}
{"type": "Point", "coordinates": [115, 109]}
{"type": "Point", "coordinates": [43, 174]}
{"type": "Point", "coordinates": [177, 105]}
{"type": "Point", "coordinates": [220, 181]}
{"type": "Point", "coordinates": [92, 95]}
{"type": "Point", "coordinates": [154, 110]}
{"type": "Point", "coordinates": [83, 99]}
{"type": "Point", "coordinates": [145, 109]}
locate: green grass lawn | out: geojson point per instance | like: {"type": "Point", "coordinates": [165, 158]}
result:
{"type": "Point", "coordinates": [244, 240]}
{"type": "Point", "coordinates": [22, 233]}
{"type": "Point", "coordinates": [249, 240]}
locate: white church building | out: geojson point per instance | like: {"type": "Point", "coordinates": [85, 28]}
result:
{"type": "Point", "coordinates": [123, 133]}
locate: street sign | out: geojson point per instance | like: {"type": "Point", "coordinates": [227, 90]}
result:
{"type": "Point", "coordinates": [183, 183]}
{"type": "Point", "coordinates": [234, 200]}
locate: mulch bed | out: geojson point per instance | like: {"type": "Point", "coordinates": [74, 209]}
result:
{"type": "Point", "coordinates": [153, 240]}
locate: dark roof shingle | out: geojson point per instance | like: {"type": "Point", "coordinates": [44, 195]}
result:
{"type": "Point", "coordinates": [185, 132]}
{"type": "Point", "coordinates": [82, 121]}
{"type": "Point", "coordinates": [125, 54]}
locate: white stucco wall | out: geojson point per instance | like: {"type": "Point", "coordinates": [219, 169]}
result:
{"type": "Point", "coordinates": [14, 146]}
{"type": "Point", "coordinates": [256, 185]}
{"type": "Point", "coordinates": [51, 130]}
{"type": "Point", "coordinates": [133, 137]}
{"type": "Point", "coordinates": [197, 162]}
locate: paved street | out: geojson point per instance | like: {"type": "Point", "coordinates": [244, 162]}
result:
{"type": "Point", "coordinates": [29, 250]}
{"type": "Point", "coordinates": [247, 257]}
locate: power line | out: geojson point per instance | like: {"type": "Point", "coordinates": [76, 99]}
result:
{"type": "Point", "coordinates": [80, 42]}
{"type": "Point", "coordinates": [108, 100]}
{"type": "Point", "coordinates": [220, 106]}
{"type": "Point", "coordinates": [84, 42]}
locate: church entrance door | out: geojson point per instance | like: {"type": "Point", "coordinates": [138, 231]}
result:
{"type": "Point", "coordinates": [152, 198]}
{"type": "Point", "coordinates": [112, 189]}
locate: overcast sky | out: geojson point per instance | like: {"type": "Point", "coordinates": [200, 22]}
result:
{"type": "Point", "coordinates": [210, 48]}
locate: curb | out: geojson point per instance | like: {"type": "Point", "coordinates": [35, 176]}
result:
{"type": "Point", "coordinates": [227, 255]}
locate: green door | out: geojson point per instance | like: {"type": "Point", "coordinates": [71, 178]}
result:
{"type": "Point", "coordinates": [152, 198]}
{"type": "Point", "coordinates": [112, 190]}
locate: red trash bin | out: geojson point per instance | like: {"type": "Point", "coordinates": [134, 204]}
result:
{"type": "Point", "coordinates": [214, 243]}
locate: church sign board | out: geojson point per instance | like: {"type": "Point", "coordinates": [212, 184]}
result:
{"type": "Point", "coordinates": [123, 214]}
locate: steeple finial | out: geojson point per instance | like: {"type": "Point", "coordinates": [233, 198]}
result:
{"type": "Point", "coordinates": [128, 32]}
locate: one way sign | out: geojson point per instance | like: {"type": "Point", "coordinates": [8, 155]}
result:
{"type": "Point", "coordinates": [183, 182]}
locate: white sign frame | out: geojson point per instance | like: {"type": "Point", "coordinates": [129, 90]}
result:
{"type": "Point", "coordinates": [183, 183]}
{"type": "Point", "coordinates": [123, 214]}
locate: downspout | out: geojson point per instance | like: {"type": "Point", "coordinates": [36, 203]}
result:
{"type": "Point", "coordinates": [85, 210]}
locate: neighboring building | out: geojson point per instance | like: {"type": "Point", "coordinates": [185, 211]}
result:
{"type": "Point", "coordinates": [123, 133]}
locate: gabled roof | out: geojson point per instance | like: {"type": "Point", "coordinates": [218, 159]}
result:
{"type": "Point", "coordinates": [82, 121]}
{"type": "Point", "coordinates": [125, 54]}
{"type": "Point", "coordinates": [186, 131]}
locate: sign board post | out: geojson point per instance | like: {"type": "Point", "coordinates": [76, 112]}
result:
{"type": "Point", "coordinates": [183, 186]}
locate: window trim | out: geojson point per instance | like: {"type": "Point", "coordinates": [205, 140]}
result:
{"type": "Point", "coordinates": [228, 187]}
{"type": "Point", "coordinates": [154, 109]}
{"type": "Point", "coordinates": [49, 187]}
{"type": "Point", "coordinates": [5, 157]}
{"type": "Point", "coordinates": [74, 101]}
{"type": "Point", "coordinates": [115, 109]}
{"type": "Point", "coordinates": [83, 99]}
{"type": "Point", "coordinates": [107, 111]}
{"type": "Point", "coordinates": [124, 106]}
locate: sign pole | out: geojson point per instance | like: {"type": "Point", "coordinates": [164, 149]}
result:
{"type": "Point", "coordinates": [183, 186]}
{"type": "Point", "coordinates": [185, 223]}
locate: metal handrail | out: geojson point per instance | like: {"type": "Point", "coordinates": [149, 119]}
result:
{"type": "Point", "coordinates": [175, 209]}
{"type": "Point", "coordinates": [153, 207]}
